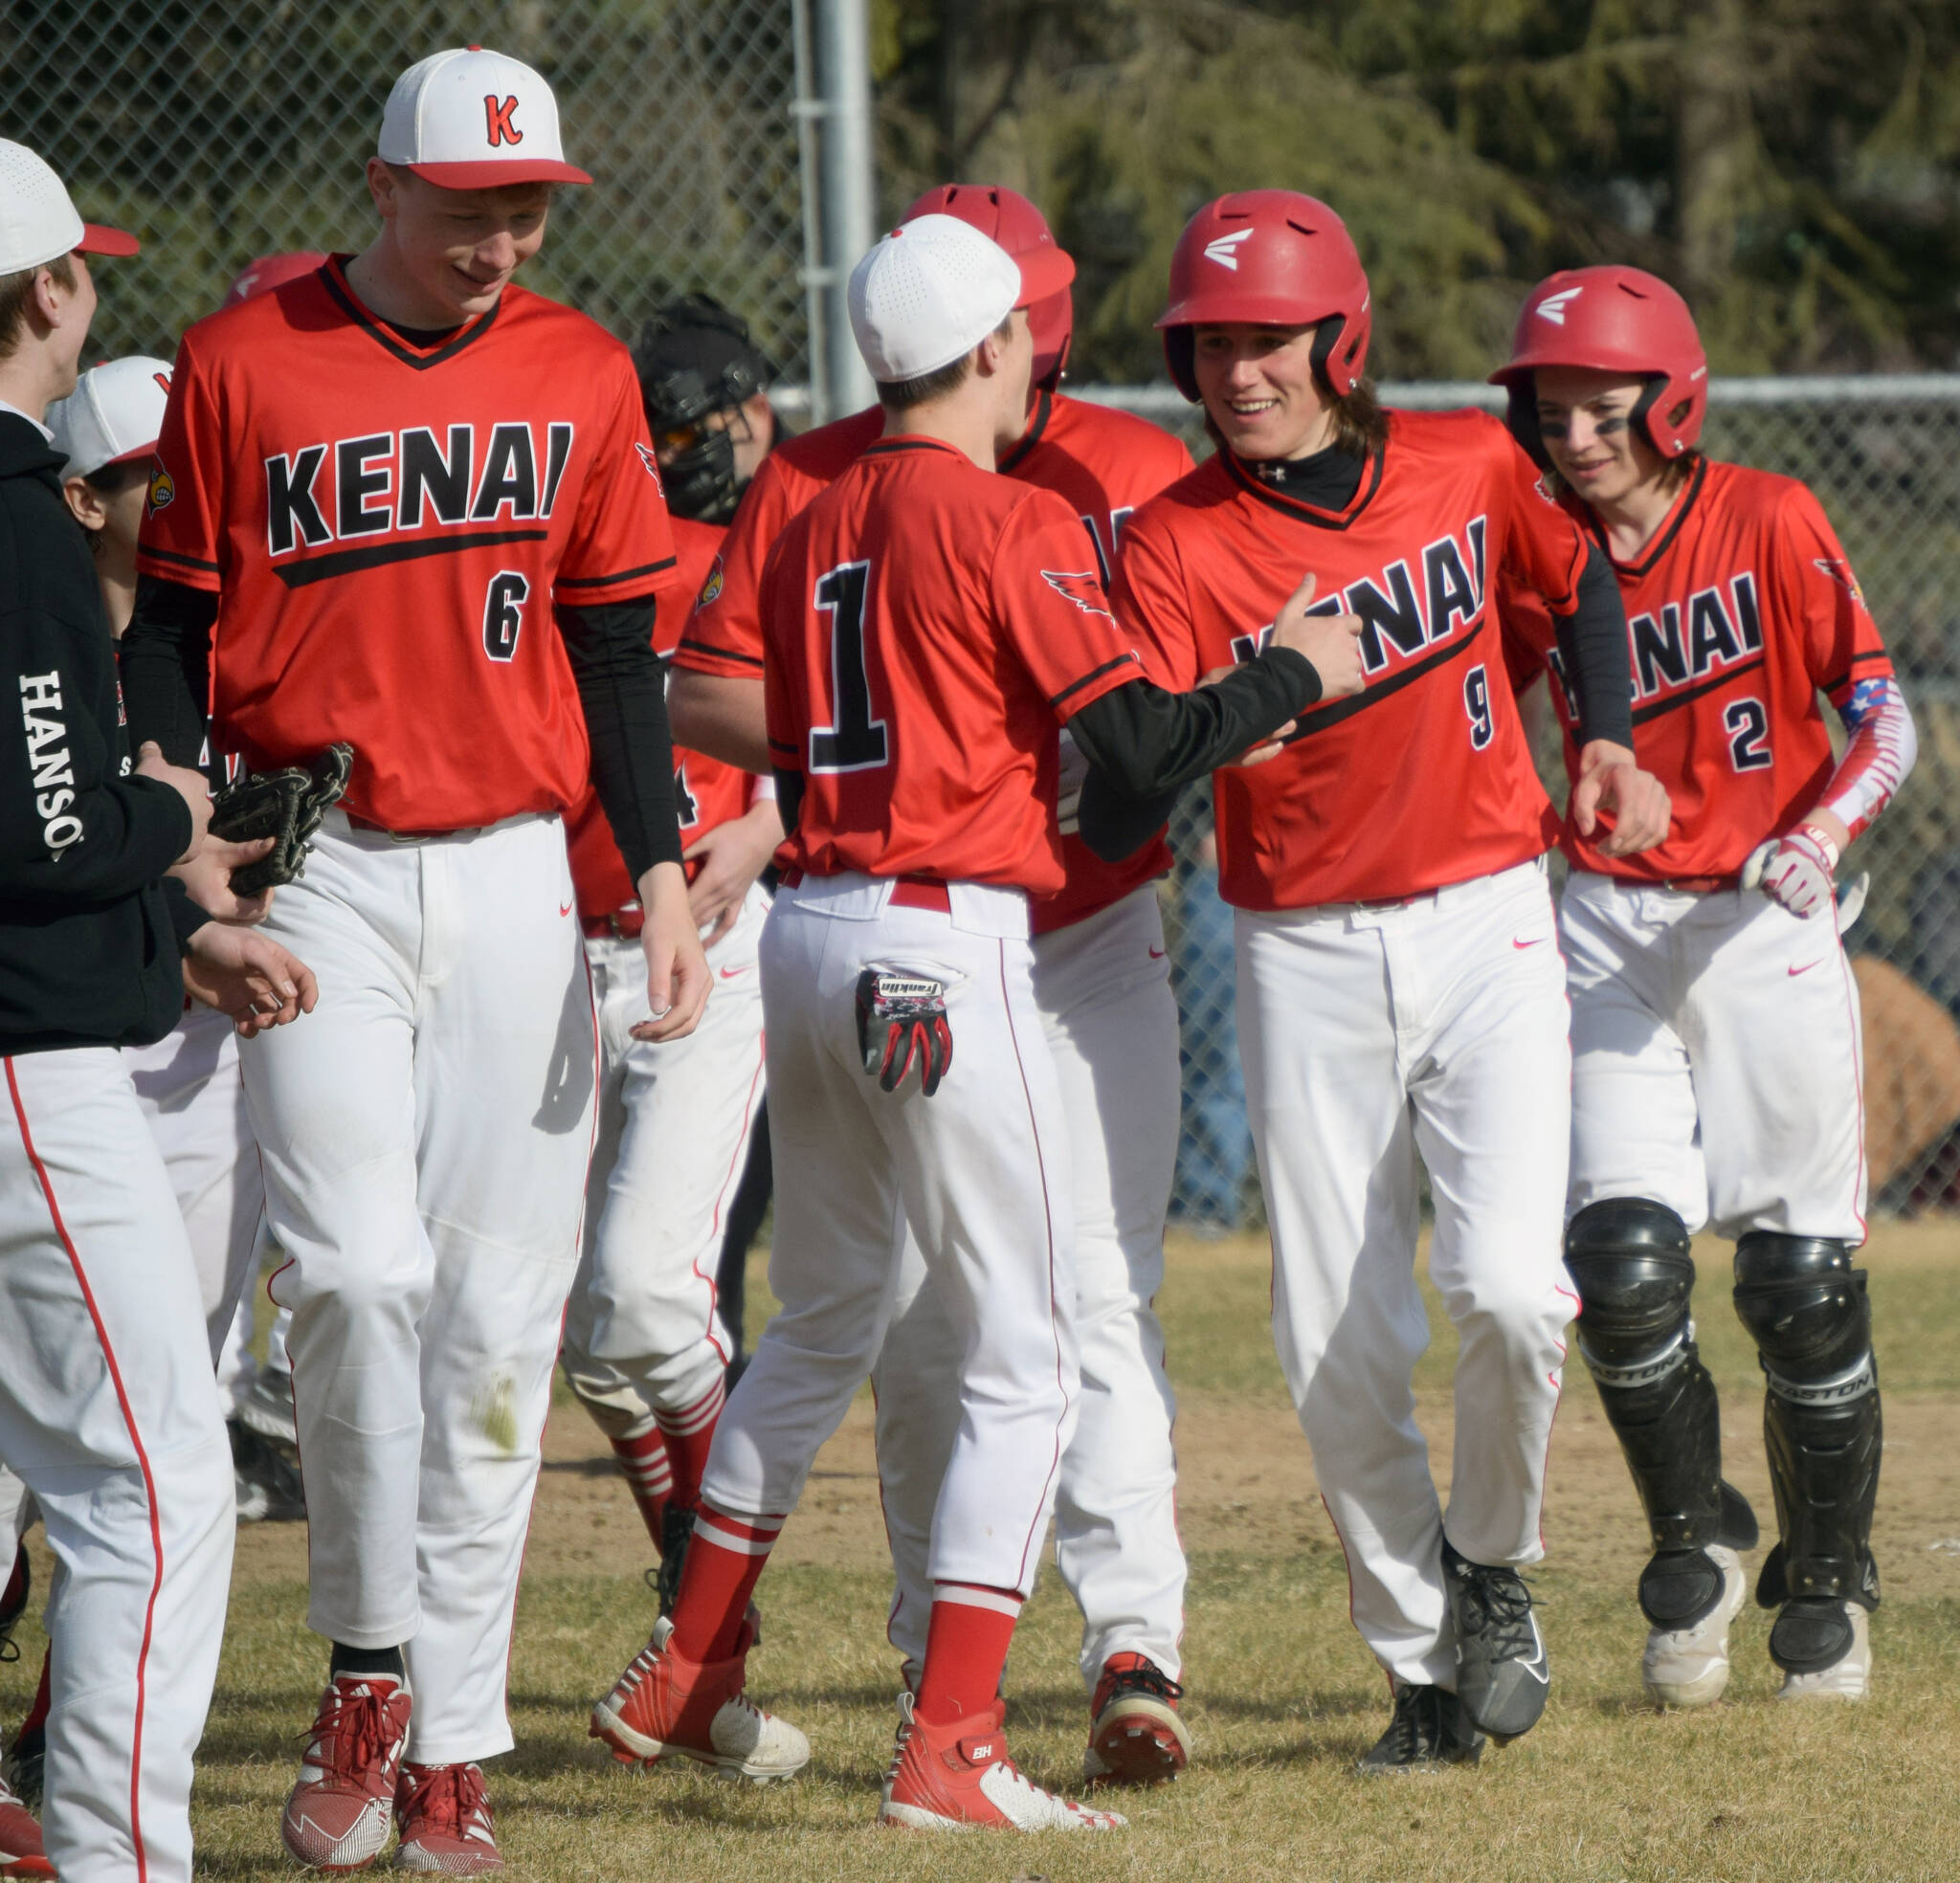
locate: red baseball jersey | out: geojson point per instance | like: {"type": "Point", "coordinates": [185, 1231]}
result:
{"type": "Point", "coordinates": [1424, 778]}
{"type": "Point", "coordinates": [386, 526]}
{"type": "Point", "coordinates": [1739, 613]}
{"type": "Point", "coordinates": [1105, 463]}
{"type": "Point", "coordinates": [928, 626]}
{"type": "Point", "coordinates": [706, 792]}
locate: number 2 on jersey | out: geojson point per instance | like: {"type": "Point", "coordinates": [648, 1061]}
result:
{"type": "Point", "coordinates": [1477, 703]}
{"type": "Point", "coordinates": [853, 740]}
{"type": "Point", "coordinates": [1747, 727]}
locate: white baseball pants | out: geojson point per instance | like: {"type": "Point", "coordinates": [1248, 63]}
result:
{"type": "Point", "coordinates": [425, 1134]}
{"type": "Point", "coordinates": [1717, 1059]}
{"type": "Point", "coordinates": [190, 1090]}
{"type": "Point", "coordinates": [1103, 987]}
{"type": "Point", "coordinates": [979, 1171]}
{"type": "Point", "coordinates": [640, 1331]}
{"type": "Point", "coordinates": [109, 1412]}
{"type": "Point", "coordinates": [1371, 1035]}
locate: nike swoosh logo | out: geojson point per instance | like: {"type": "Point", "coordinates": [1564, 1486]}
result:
{"type": "Point", "coordinates": [1536, 942]}
{"type": "Point", "coordinates": [1156, 954]}
{"type": "Point", "coordinates": [729, 973]}
{"type": "Point", "coordinates": [565, 908]}
{"type": "Point", "coordinates": [1804, 969]}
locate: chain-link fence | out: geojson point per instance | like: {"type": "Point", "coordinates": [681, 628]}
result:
{"type": "Point", "coordinates": [1884, 457]}
{"type": "Point", "coordinates": [222, 130]}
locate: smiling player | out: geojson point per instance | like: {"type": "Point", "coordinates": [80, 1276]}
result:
{"type": "Point", "coordinates": [406, 503]}
{"type": "Point", "coordinates": [1716, 1055]}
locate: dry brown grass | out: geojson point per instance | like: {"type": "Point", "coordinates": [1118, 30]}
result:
{"type": "Point", "coordinates": [1282, 1696]}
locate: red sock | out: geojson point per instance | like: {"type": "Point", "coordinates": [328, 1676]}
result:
{"type": "Point", "coordinates": [689, 1433]}
{"type": "Point", "coordinates": [725, 1558]}
{"type": "Point", "coordinates": [37, 1713]}
{"type": "Point", "coordinates": [649, 1476]}
{"type": "Point", "coordinates": [966, 1650]}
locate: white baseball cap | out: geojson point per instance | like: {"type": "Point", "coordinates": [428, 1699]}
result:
{"type": "Point", "coordinates": [471, 119]}
{"type": "Point", "coordinates": [115, 412]}
{"type": "Point", "coordinates": [39, 223]}
{"type": "Point", "coordinates": [935, 288]}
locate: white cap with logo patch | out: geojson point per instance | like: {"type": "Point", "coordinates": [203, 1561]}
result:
{"type": "Point", "coordinates": [114, 413]}
{"type": "Point", "coordinates": [935, 288]}
{"type": "Point", "coordinates": [467, 119]}
{"type": "Point", "coordinates": [39, 223]}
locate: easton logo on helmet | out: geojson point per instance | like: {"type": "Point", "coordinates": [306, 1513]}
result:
{"type": "Point", "coordinates": [1224, 249]}
{"type": "Point", "coordinates": [1554, 308]}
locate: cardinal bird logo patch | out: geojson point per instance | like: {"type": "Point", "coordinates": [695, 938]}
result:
{"type": "Point", "coordinates": [1082, 587]}
{"type": "Point", "coordinates": [711, 589]}
{"type": "Point", "coordinates": [1840, 573]}
{"type": "Point", "coordinates": [162, 488]}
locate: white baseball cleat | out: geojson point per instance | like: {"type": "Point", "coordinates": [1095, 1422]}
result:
{"type": "Point", "coordinates": [961, 1777]}
{"type": "Point", "coordinates": [1823, 1644]}
{"type": "Point", "coordinates": [1687, 1666]}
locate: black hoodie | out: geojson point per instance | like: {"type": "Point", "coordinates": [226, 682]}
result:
{"type": "Point", "coordinates": [89, 935]}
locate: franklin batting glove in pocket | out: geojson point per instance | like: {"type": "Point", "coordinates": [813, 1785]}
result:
{"type": "Point", "coordinates": [901, 1018]}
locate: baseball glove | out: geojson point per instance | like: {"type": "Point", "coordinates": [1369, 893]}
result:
{"type": "Point", "coordinates": [285, 805]}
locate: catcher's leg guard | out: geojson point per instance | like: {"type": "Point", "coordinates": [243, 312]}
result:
{"type": "Point", "coordinates": [1628, 1259]}
{"type": "Point", "coordinates": [1805, 1308]}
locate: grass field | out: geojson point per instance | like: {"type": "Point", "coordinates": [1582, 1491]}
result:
{"type": "Point", "coordinates": [1282, 1696]}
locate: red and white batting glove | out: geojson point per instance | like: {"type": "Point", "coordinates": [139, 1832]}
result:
{"type": "Point", "coordinates": [1795, 869]}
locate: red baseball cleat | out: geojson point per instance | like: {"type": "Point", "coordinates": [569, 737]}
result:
{"type": "Point", "coordinates": [953, 1778]}
{"type": "Point", "coordinates": [663, 1703]}
{"type": "Point", "coordinates": [1136, 1736]}
{"type": "Point", "coordinates": [444, 1821]}
{"type": "Point", "coordinates": [338, 1815]}
{"type": "Point", "coordinates": [21, 1851]}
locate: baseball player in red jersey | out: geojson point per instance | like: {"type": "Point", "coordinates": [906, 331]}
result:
{"type": "Point", "coordinates": [644, 1346]}
{"type": "Point", "coordinates": [927, 624]}
{"type": "Point", "coordinates": [1716, 1055]}
{"type": "Point", "coordinates": [1399, 987]}
{"type": "Point", "coordinates": [419, 505]}
{"type": "Point", "coordinates": [1102, 984]}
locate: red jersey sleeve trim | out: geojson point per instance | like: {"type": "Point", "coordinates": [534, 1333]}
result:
{"type": "Point", "coordinates": [624, 575]}
{"type": "Point", "coordinates": [1094, 674]}
{"type": "Point", "coordinates": [688, 645]}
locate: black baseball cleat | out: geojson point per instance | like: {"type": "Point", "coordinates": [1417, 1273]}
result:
{"type": "Point", "coordinates": [13, 1597]}
{"type": "Point", "coordinates": [268, 1487]}
{"type": "Point", "coordinates": [1430, 1730]}
{"type": "Point", "coordinates": [677, 1527]}
{"type": "Point", "coordinates": [26, 1760]}
{"type": "Point", "coordinates": [1503, 1675]}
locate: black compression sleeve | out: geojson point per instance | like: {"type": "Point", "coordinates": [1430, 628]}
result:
{"type": "Point", "coordinates": [619, 686]}
{"type": "Point", "coordinates": [1145, 744]}
{"type": "Point", "coordinates": [164, 657]}
{"type": "Point", "coordinates": [1592, 649]}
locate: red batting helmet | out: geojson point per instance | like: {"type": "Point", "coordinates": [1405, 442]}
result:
{"type": "Point", "coordinates": [1612, 320]}
{"type": "Point", "coordinates": [1006, 216]}
{"type": "Point", "coordinates": [269, 272]}
{"type": "Point", "coordinates": [1272, 258]}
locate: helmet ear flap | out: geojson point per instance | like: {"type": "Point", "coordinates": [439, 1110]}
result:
{"type": "Point", "coordinates": [1326, 338]}
{"type": "Point", "coordinates": [1180, 356]}
{"type": "Point", "coordinates": [1642, 417]}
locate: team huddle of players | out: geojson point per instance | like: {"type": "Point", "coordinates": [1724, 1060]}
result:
{"type": "Point", "coordinates": [943, 666]}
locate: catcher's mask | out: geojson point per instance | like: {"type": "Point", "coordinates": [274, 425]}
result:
{"type": "Point", "coordinates": [695, 359]}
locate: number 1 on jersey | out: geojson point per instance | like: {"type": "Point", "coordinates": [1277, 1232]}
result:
{"type": "Point", "coordinates": [853, 740]}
